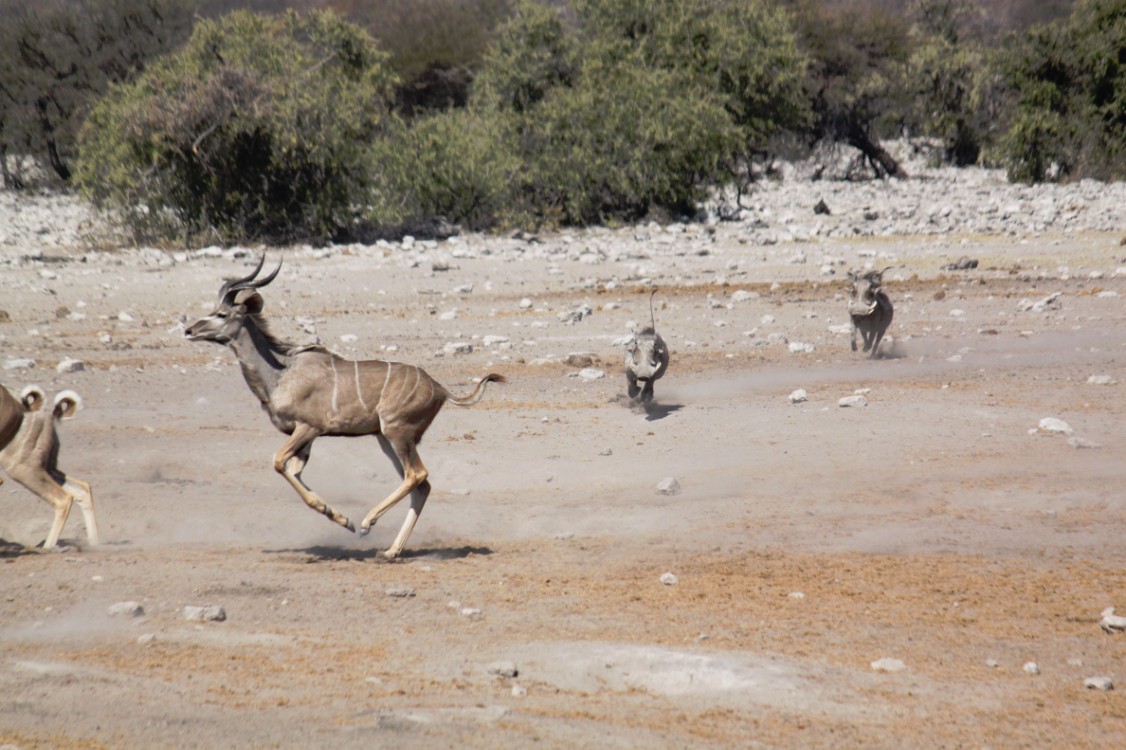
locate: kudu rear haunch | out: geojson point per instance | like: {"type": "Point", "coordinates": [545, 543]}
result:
{"type": "Point", "coordinates": [308, 391]}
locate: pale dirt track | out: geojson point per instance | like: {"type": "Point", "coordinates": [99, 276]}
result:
{"type": "Point", "coordinates": [929, 526]}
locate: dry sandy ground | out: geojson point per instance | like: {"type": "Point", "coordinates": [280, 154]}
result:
{"type": "Point", "coordinates": [935, 526]}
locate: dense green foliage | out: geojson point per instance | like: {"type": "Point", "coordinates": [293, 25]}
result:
{"type": "Point", "coordinates": [608, 116]}
{"type": "Point", "coordinates": [502, 113]}
{"type": "Point", "coordinates": [257, 128]}
{"type": "Point", "coordinates": [1069, 119]}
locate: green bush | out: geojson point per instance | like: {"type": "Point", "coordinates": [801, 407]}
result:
{"type": "Point", "coordinates": [457, 165]}
{"type": "Point", "coordinates": [257, 129]}
{"type": "Point", "coordinates": [1069, 79]}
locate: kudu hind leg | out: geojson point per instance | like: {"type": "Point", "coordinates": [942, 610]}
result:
{"type": "Point", "coordinates": [404, 456]}
{"type": "Point", "coordinates": [83, 494]}
{"type": "Point", "coordinates": [290, 462]}
{"type": "Point", "coordinates": [40, 482]}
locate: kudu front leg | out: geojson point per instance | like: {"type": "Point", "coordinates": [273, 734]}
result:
{"type": "Point", "coordinates": [290, 462]}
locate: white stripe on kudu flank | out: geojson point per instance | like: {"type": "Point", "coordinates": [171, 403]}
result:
{"type": "Point", "coordinates": [359, 390]}
{"type": "Point", "coordinates": [335, 384]}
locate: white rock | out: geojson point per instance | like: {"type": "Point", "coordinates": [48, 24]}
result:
{"type": "Point", "coordinates": [743, 295]}
{"type": "Point", "coordinates": [525, 304]}
{"type": "Point", "coordinates": [519, 691]}
{"type": "Point", "coordinates": [129, 609]}
{"type": "Point", "coordinates": [70, 365]}
{"type": "Point", "coordinates": [1100, 380]}
{"type": "Point", "coordinates": [1031, 668]}
{"type": "Point", "coordinates": [458, 347]}
{"type": "Point", "coordinates": [493, 340]}
{"type": "Point", "coordinates": [887, 664]}
{"type": "Point", "coordinates": [208, 613]}
{"type": "Point", "coordinates": [124, 317]}
{"type": "Point", "coordinates": [400, 592]}
{"type": "Point", "coordinates": [668, 486]}
{"type": "Point", "coordinates": [1078, 442]}
{"type": "Point", "coordinates": [349, 338]}
{"type": "Point", "coordinates": [1099, 683]}
{"type": "Point", "coordinates": [799, 396]}
{"type": "Point", "coordinates": [1055, 426]}
{"type": "Point", "coordinates": [448, 315]}
{"type": "Point", "coordinates": [503, 669]}
{"type": "Point", "coordinates": [850, 401]}
{"type": "Point", "coordinates": [799, 347]}
{"type": "Point", "coordinates": [669, 579]}
{"type": "Point", "coordinates": [463, 289]}
{"type": "Point", "coordinates": [19, 364]}
{"type": "Point", "coordinates": [1111, 621]}
{"type": "Point", "coordinates": [590, 373]}
{"type": "Point", "coordinates": [470, 612]}
{"type": "Point", "coordinates": [796, 595]}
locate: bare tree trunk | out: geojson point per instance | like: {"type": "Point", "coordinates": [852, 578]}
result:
{"type": "Point", "coordinates": [883, 162]}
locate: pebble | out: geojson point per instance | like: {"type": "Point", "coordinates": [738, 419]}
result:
{"type": "Point", "coordinates": [850, 401]}
{"type": "Point", "coordinates": [68, 366]}
{"type": "Point", "coordinates": [1111, 621]}
{"type": "Point", "coordinates": [400, 592]}
{"type": "Point", "coordinates": [129, 609]}
{"type": "Point", "coordinates": [1055, 426]}
{"type": "Point", "coordinates": [887, 664]}
{"type": "Point", "coordinates": [668, 486]}
{"type": "Point", "coordinates": [799, 396]}
{"type": "Point", "coordinates": [669, 579]}
{"type": "Point", "coordinates": [1099, 683]}
{"type": "Point", "coordinates": [1031, 668]}
{"type": "Point", "coordinates": [208, 613]}
{"type": "Point", "coordinates": [1100, 380]}
{"type": "Point", "coordinates": [19, 364]}
{"type": "Point", "coordinates": [591, 373]}
{"type": "Point", "coordinates": [503, 669]}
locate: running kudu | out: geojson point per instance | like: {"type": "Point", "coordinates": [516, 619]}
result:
{"type": "Point", "coordinates": [308, 391]}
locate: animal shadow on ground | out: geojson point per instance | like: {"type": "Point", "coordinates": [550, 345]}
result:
{"type": "Point", "coordinates": [15, 549]}
{"type": "Point", "coordinates": [326, 553]}
{"type": "Point", "coordinates": [654, 411]}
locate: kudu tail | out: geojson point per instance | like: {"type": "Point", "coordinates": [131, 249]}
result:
{"type": "Point", "coordinates": [479, 391]}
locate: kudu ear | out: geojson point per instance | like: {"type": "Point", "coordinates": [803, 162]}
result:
{"type": "Point", "coordinates": [251, 300]}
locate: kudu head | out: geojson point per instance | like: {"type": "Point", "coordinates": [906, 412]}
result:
{"type": "Point", "coordinates": [238, 298]}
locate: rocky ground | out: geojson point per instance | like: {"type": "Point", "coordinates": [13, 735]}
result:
{"type": "Point", "coordinates": [927, 568]}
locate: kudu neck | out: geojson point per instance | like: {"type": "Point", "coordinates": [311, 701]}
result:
{"type": "Point", "coordinates": [262, 357]}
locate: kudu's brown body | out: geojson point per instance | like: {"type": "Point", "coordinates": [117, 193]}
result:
{"type": "Point", "coordinates": [308, 392]}
{"type": "Point", "coordinates": [29, 453]}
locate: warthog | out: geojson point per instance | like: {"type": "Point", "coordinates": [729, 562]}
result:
{"type": "Point", "coordinates": [869, 308]}
{"type": "Point", "coordinates": [647, 358]}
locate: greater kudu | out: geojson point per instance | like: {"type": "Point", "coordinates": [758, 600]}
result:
{"type": "Point", "coordinates": [308, 391]}
{"type": "Point", "coordinates": [29, 452]}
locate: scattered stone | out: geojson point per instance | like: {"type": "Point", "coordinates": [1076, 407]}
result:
{"type": "Point", "coordinates": [606, 452]}
{"type": "Point", "coordinates": [493, 340]}
{"type": "Point", "coordinates": [19, 364]}
{"type": "Point", "coordinates": [400, 592]}
{"type": "Point", "coordinates": [68, 366]}
{"type": "Point", "coordinates": [1051, 301]}
{"type": "Point", "coordinates": [1099, 683]}
{"type": "Point", "coordinates": [129, 609]}
{"type": "Point", "coordinates": [349, 338]}
{"type": "Point", "coordinates": [1055, 426]}
{"type": "Point", "coordinates": [743, 295]}
{"type": "Point", "coordinates": [1101, 380]}
{"type": "Point", "coordinates": [470, 612]}
{"type": "Point", "coordinates": [463, 289]}
{"type": "Point", "coordinates": [579, 359]}
{"type": "Point", "coordinates": [668, 486]}
{"type": "Point", "coordinates": [965, 263]}
{"type": "Point", "coordinates": [850, 401]}
{"type": "Point", "coordinates": [821, 208]}
{"type": "Point", "coordinates": [1111, 621]}
{"type": "Point", "coordinates": [799, 396]}
{"type": "Point", "coordinates": [209, 613]}
{"type": "Point", "coordinates": [800, 347]}
{"type": "Point", "coordinates": [5, 316]}
{"type": "Point", "coordinates": [669, 579]}
{"type": "Point", "coordinates": [1031, 668]}
{"type": "Point", "coordinates": [146, 638]}
{"type": "Point", "coordinates": [589, 374]}
{"type": "Point", "coordinates": [503, 669]}
{"type": "Point", "coordinates": [796, 595]}
{"type": "Point", "coordinates": [519, 691]}
{"type": "Point", "coordinates": [887, 664]}
{"type": "Point", "coordinates": [1080, 443]}
{"type": "Point", "coordinates": [456, 348]}
{"type": "Point", "coordinates": [525, 304]}
{"type": "Point", "coordinates": [992, 663]}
